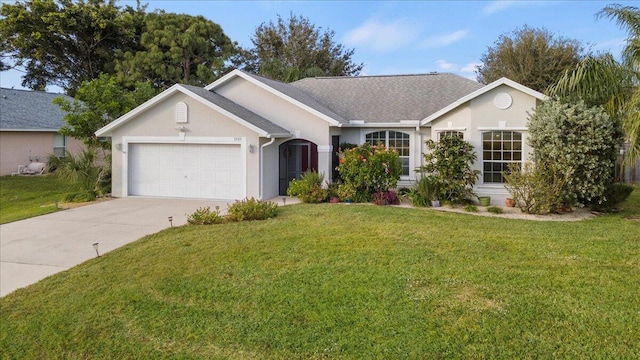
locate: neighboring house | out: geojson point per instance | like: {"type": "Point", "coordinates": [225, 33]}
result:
{"type": "Point", "coordinates": [248, 136]}
{"type": "Point", "coordinates": [29, 124]}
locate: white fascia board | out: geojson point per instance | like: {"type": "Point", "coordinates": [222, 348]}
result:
{"type": "Point", "coordinates": [275, 92]}
{"type": "Point", "coordinates": [493, 85]}
{"type": "Point", "coordinates": [381, 125]}
{"type": "Point", "coordinates": [141, 108]}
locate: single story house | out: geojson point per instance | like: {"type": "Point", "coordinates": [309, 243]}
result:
{"type": "Point", "coordinates": [29, 124]}
{"type": "Point", "coordinates": [247, 136]}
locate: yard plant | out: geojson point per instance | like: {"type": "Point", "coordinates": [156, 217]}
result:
{"type": "Point", "coordinates": [364, 282]}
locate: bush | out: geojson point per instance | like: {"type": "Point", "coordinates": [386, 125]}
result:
{"type": "Point", "coordinates": [471, 208]}
{"type": "Point", "coordinates": [251, 209]}
{"type": "Point", "coordinates": [580, 143]}
{"type": "Point", "coordinates": [368, 169]}
{"type": "Point", "coordinates": [83, 170]}
{"type": "Point", "coordinates": [204, 216]}
{"type": "Point", "coordinates": [535, 189]}
{"type": "Point", "coordinates": [346, 192]}
{"type": "Point", "coordinates": [309, 188]}
{"type": "Point", "coordinates": [614, 194]}
{"type": "Point", "coordinates": [448, 163]}
{"type": "Point", "coordinates": [386, 198]}
{"type": "Point", "coordinates": [425, 190]}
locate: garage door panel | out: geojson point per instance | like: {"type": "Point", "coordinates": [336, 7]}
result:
{"type": "Point", "coordinates": [186, 170]}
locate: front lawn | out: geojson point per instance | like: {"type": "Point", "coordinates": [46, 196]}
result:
{"type": "Point", "coordinates": [23, 197]}
{"type": "Point", "coordinates": [346, 281]}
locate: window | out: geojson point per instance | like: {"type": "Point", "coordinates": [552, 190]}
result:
{"type": "Point", "coordinates": [499, 149]}
{"type": "Point", "coordinates": [442, 134]}
{"type": "Point", "coordinates": [59, 145]}
{"type": "Point", "coordinates": [396, 140]}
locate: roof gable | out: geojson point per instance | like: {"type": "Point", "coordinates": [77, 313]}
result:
{"type": "Point", "coordinates": [26, 110]}
{"type": "Point", "coordinates": [481, 91]}
{"type": "Point", "coordinates": [284, 91]}
{"type": "Point", "coordinates": [387, 98]}
{"type": "Point", "coordinates": [230, 109]}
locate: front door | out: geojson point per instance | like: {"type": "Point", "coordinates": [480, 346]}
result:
{"type": "Point", "coordinates": [296, 157]}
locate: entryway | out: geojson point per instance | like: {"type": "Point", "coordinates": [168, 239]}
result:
{"type": "Point", "coordinates": [296, 157]}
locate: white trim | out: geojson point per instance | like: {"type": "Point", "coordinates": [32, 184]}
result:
{"type": "Point", "coordinates": [506, 128]}
{"type": "Point", "coordinates": [324, 148]}
{"type": "Point", "coordinates": [401, 124]}
{"type": "Point", "coordinates": [460, 128]}
{"type": "Point", "coordinates": [170, 91]}
{"type": "Point", "coordinates": [126, 140]}
{"type": "Point", "coordinates": [273, 91]}
{"type": "Point", "coordinates": [493, 85]}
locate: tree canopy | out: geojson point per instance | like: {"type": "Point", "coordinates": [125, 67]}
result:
{"type": "Point", "coordinates": [532, 57]}
{"type": "Point", "coordinates": [601, 80]}
{"type": "Point", "coordinates": [294, 48]}
{"type": "Point", "coordinates": [176, 48]}
{"type": "Point", "coordinates": [65, 42]}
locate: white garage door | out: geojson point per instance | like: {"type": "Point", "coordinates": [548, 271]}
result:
{"type": "Point", "coordinates": [186, 171]}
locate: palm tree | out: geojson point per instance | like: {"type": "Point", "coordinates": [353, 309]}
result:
{"type": "Point", "coordinates": [601, 80]}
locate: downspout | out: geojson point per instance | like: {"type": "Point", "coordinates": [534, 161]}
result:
{"type": "Point", "coordinates": [262, 147]}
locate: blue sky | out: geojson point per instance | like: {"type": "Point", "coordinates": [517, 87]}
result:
{"type": "Point", "coordinates": [404, 37]}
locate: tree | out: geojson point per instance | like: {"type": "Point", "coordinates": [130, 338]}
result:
{"type": "Point", "coordinates": [176, 48]}
{"type": "Point", "coordinates": [532, 57]}
{"type": "Point", "coordinates": [604, 81]}
{"type": "Point", "coordinates": [293, 49]}
{"type": "Point", "coordinates": [96, 104]}
{"type": "Point", "coordinates": [64, 42]}
{"type": "Point", "coordinates": [579, 142]}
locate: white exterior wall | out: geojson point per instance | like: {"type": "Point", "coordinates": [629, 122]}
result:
{"type": "Point", "coordinates": [205, 126]}
{"type": "Point", "coordinates": [302, 124]}
{"type": "Point", "coordinates": [480, 115]}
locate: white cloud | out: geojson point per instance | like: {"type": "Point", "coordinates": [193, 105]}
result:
{"type": "Point", "coordinates": [444, 40]}
{"type": "Point", "coordinates": [444, 65]}
{"type": "Point", "coordinates": [470, 67]}
{"type": "Point", "coordinates": [381, 36]}
{"type": "Point", "coordinates": [497, 6]}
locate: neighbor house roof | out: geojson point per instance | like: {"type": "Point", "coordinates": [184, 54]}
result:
{"type": "Point", "coordinates": [236, 112]}
{"type": "Point", "coordinates": [388, 98]}
{"type": "Point", "coordinates": [26, 110]}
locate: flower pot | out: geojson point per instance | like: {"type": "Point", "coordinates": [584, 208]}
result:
{"type": "Point", "coordinates": [510, 202]}
{"type": "Point", "coordinates": [435, 203]}
{"type": "Point", "coordinates": [334, 200]}
{"type": "Point", "coordinates": [484, 200]}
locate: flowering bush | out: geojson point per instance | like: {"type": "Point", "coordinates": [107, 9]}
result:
{"type": "Point", "coordinates": [309, 188]}
{"type": "Point", "coordinates": [369, 169]}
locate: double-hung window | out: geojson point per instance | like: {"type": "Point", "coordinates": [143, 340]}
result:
{"type": "Point", "coordinates": [499, 149]}
{"type": "Point", "coordinates": [393, 139]}
{"type": "Point", "coordinates": [59, 145]}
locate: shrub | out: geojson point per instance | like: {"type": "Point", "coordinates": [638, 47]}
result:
{"type": "Point", "coordinates": [309, 188]}
{"type": "Point", "coordinates": [346, 192]}
{"type": "Point", "coordinates": [449, 162]}
{"type": "Point", "coordinates": [83, 169]}
{"type": "Point", "coordinates": [369, 169]}
{"type": "Point", "coordinates": [495, 210]}
{"type": "Point", "coordinates": [251, 209]}
{"type": "Point", "coordinates": [471, 208]}
{"type": "Point", "coordinates": [204, 216]}
{"type": "Point", "coordinates": [614, 194]}
{"type": "Point", "coordinates": [580, 143]}
{"type": "Point", "coordinates": [426, 189]}
{"type": "Point", "coordinates": [535, 189]}
{"type": "Point", "coordinates": [386, 198]}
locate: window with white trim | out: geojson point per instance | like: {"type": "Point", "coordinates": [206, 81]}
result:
{"type": "Point", "coordinates": [445, 133]}
{"type": "Point", "coordinates": [393, 139]}
{"type": "Point", "coordinates": [499, 149]}
{"type": "Point", "coordinates": [59, 145]}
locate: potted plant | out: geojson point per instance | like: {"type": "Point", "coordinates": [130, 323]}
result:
{"type": "Point", "coordinates": [510, 202]}
{"type": "Point", "coordinates": [484, 200]}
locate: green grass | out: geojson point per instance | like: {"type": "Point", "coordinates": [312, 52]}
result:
{"type": "Point", "coordinates": [346, 281]}
{"type": "Point", "coordinates": [23, 197]}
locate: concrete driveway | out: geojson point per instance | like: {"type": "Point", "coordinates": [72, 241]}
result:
{"type": "Point", "coordinates": [35, 248]}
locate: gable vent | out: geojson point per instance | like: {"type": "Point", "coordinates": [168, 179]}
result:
{"type": "Point", "coordinates": [502, 101]}
{"type": "Point", "coordinates": [182, 113]}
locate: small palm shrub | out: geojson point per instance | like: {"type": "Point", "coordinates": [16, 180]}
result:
{"type": "Point", "coordinates": [425, 190]}
{"type": "Point", "coordinates": [309, 188]}
{"type": "Point", "coordinates": [251, 209]}
{"type": "Point", "coordinates": [204, 216]}
{"type": "Point", "coordinates": [84, 170]}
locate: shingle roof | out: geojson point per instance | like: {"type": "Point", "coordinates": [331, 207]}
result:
{"type": "Point", "coordinates": [301, 96]}
{"type": "Point", "coordinates": [387, 98]}
{"type": "Point", "coordinates": [238, 110]}
{"type": "Point", "coordinates": [30, 110]}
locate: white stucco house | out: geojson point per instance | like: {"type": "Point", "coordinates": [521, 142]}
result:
{"type": "Point", "coordinates": [248, 136]}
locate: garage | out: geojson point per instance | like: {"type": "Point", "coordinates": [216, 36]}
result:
{"type": "Point", "coordinates": [199, 171]}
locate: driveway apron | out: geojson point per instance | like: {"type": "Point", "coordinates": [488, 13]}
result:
{"type": "Point", "coordinates": [35, 248]}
